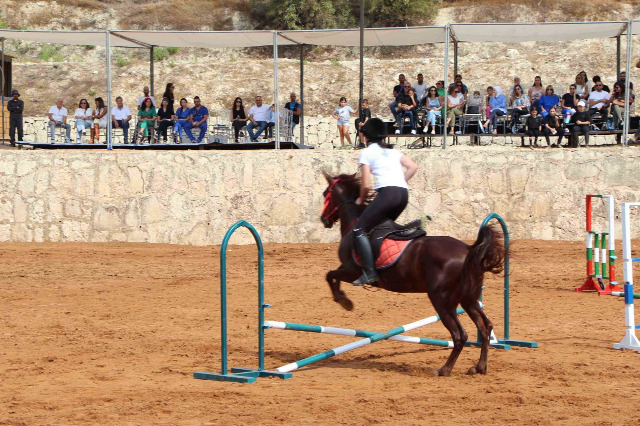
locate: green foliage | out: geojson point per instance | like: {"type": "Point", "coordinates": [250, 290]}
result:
{"type": "Point", "coordinates": [335, 62]}
{"type": "Point", "coordinates": [160, 53]}
{"type": "Point", "coordinates": [57, 57]}
{"type": "Point", "coordinates": [3, 24]}
{"type": "Point", "coordinates": [47, 51]}
{"type": "Point", "coordinates": [398, 13]}
{"type": "Point", "coordinates": [172, 50]}
{"type": "Point", "coordinates": [121, 61]}
{"type": "Point", "coordinates": [92, 92]}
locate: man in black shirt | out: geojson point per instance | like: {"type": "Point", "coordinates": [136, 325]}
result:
{"type": "Point", "coordinates": [581, 123]}
{"type": "Point", "coordinates": [15, 107]}
{"type": "Point", "coordinates": [397, 89]}
{"type": "Point", "coordinates": [364, 116]}
{"type": "Point", "coordinates": [405, 108]}
{"type": "Point", "coordinates": [295, 109]}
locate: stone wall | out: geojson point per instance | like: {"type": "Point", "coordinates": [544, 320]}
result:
{"type": "Point", "coordinates": [193, 197]}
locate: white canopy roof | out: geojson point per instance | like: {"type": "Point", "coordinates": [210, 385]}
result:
{"type": "Point", "coordinates": [372, 36]}
{"type": "Point", "coordinates": [547, 31]}
{"type": "Point", "coordinates": [78, 38]}
{"type": "Point", "coordinates": [203, 39]}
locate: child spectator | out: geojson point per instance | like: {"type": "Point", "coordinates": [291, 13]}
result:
{"type": "Point", "coordinates": [343, 114]}
{"type": "Point", "coordinates": [553, 127]}
{"type": "Point", "coordinates": [474, 103]}
{"type": "Point", "coordinates": [533, 127]}
{"type": "Point", "coordinates": [364, 116]}
{"type": "Point", "coordinates": [581, 124]}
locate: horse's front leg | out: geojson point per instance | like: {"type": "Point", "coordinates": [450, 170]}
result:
{"type": "Point", "coordinates": [334, 278]}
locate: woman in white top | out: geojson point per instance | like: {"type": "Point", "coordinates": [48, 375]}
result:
{"type": "Point", "coordinates": [83, 116]}
{"type": "Point", "coordinates": [99, 119]}
{"type": "Point", "coordinates": [582, 88]}
{"type": "Point", "coordinates": [455, 102]}
{"type": "Point", "coordinates": [386, 164]}
{"type": "Point", "coordinates": [536, 91]}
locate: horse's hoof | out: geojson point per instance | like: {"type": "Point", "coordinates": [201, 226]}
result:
{"type": "Point", "coordinates": [345, 303]}
{"type": "Point", "coordinates": [472, 371]}
{"type": "Point", "coordinates": [434, 372]}
{"type": "Point", "coordinates": [442, 372]}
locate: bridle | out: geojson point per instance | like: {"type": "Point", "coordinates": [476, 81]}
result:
{"type": "Point", "coordinates": [330, 212]}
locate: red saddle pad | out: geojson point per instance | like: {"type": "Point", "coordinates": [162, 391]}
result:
{"type": "Point", "coordinates": [390, 253]}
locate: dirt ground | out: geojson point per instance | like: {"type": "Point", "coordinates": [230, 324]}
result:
{"type": "Point", "coordinates": [112, 333]}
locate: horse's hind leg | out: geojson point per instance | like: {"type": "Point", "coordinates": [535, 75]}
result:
{"type": "Point", "coordinates": [450, 320]}
{"type": "Point", "coordinates": [334, 278]}
{"type": "Point", "coordinates": [484, 325]}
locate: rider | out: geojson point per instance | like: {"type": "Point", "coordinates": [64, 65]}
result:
{"type": "Point", "coordinates": [386, 164]}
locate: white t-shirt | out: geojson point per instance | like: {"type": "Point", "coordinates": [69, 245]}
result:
{"type": "Point", "coordinates": [454, 100]}
{"type": "Point", "coordinates": [57, 114]}
{"type": "Point", "coordinates": [120, 114]}
{"type": "Point", "coordinates": [385, 165]}
{"type": "Point", "coordinates": [141, 99]}
{"type": "Point", "coordinates": [421, 90]}
{"type": "Point", "coordinates": [259, 113]}
{"type": "Point", "coordinates": [344, 113]}
{"type": "Point", "coordinates": [84, 113]}
{"type": "Point", "coordinates": [599, 97]}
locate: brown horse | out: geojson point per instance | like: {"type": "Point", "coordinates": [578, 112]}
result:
{"type": "Point", "coordinates": [448, 270]}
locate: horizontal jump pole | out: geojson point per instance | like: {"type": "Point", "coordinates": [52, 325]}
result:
{"type": "Point", "coordinates": [621, 294]}
{"type": "Point", "coordinates": [360, 343]}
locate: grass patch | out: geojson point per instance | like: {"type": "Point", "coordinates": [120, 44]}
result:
{"type": "Point", "coordinates": [121, 61]}
{"type": "Point", "coordinates": [173, 50]}
{"type": "Point", "coordinates": [47, 51]}
{"type": "Point", "coordinates": [160, 53]}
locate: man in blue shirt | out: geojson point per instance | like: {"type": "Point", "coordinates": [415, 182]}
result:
{"type": "Point", "coordinates": [295, 109]}
{"type": "Point", "coordinates": [199, 116]}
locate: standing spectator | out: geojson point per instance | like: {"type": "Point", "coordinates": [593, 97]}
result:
{"type": "Point", "coordinates": [364, 116]}
{"type": "Point", "coordinates": [238, 117]}
{"type": "Point", "coordinates": [498, 103]}
{"type": "Point", "coordinates": [421, 89]}
{"type": "Point", "coordinates": [397, 89]}
{"type": "Point", "coordinates": [147, 120]}
{"type": "Point", "coordinates": [168, 94]}
{"type": "Point", "coordinates": [15, 107]}
{"type": "Point", "coordinates": [582, 90]}
{"type": "Point", "coordinates": [548, 100]}
{"type": "Point", "coordinates": [58, 118]}
{"type": "Point", "coordinates": [520, 106]}
{"type": "Point", "coordinates": [100, 119]}
{"type": "Point", "coordinates": [182, 117]}
{"type": "Point", "coordinates": [343, 114]}
{"type": "Point", "coordinates": [617, 105]}
{"type": "Point", "coordinates": [83, 117]}
{"type": "Point", "coordinates": [406, 107]}
{"type": "Point", "coordinates": [145, 91]}
{"type": "Point", "coordinates": [596, 79]}
{"type": "Point", "coordinates": [455, 102]}
{"type": "Point", "coordinates": [258, 115]}
{"type": "Point", "coordinates": [165, 117]}
{"type": "Point", "coordinates": [121, 115]}
{"type": "Point", "coordinates": [569, 102]}
{"type": "Point", "coordinates": [536, 91]}
{"type": "Point", "coordinates": [581, 124]}
{"type": "Point", "coordinates": [295, 109]}
{"type": "Point", "coordinates": [599, 102]}
{"type": "Point", "coordinates": [433, 106]}
{"type": "Point", "coordinates": [533, 127]}
{"type": "Point", "coordinates": [553, 127]}
{"type": "Point", "coordinates": [199, 116]}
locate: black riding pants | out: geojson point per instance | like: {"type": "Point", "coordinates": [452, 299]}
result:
{"type": "Point", "coordinates": [388, 204]}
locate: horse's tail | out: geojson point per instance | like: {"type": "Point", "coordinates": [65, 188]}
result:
{"type": "Point", "coordinates": [487, 254]}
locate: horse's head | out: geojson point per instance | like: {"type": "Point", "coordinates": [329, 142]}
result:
{"type": "Point", "coordinates": [342, 189]}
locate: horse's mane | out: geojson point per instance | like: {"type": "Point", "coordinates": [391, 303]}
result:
{"type": "Point", "coordinates": [352, 184]}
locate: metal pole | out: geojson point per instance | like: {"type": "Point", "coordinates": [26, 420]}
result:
{"type": "Point", "coordinates": [3, 83]}
{"type": "Point", "coordinates": [361, 58]}
{"type": "Point", "coordinates": [618, 56]}
{"type": "Point", "coordinates": [455, 58]}
{"type": "Point", "coordinates": [301, 94]}
{"type": "Point", "coordinates": [109, 123]}
{"type": "Point", "coordinates": [625, 125]}
{"type": "Point", "coordinates": [446, 86]}
{"type": "Point", "coordinates": [275, 88]}
{"type": "Point", "coordinates": [151, 73]}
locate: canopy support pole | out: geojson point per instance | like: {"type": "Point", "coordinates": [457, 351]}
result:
{"type": "Point", "coordinates": [109, 123]}
{"type": "Point", "coordinates": [625, 124]}
{"type": "Point", "coordinates": [301, 94]}
{"type": "Point", "coordinates": [617, 56]}
{"type": "Point", "coordinates": [455, 58]}
{"type": "Point", "coordinates": [151, 71]}
{"type": "Point", "coordinates": [275, 89]}
{"type": "Point", "coordinates": [446, 85]}
{"type": "Point", "coordinates": [3, 83]}
{"type": "Point", "coordinates": [361, 93]}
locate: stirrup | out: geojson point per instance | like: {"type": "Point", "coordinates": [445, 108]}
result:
{"type": "Point", "coordinates": [365, 279]}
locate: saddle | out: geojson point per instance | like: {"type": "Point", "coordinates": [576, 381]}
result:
{"type": "Point", "coordinates": [389, 241]}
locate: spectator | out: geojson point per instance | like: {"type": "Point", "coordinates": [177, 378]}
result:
{"type": "Point", "coordinates": [146, 119]}
{"type": "Point", "coordinates": [622, 81]}
{"type": "Point", "coordinates": [295, 109]}
{"type": "Point", "coordinates": [553, 127]}
{"type": "Point", "coordinates": [364, 116]}
{"type": "Point", "coordinates": [168, 94]}
{"type": "Point", "coordinates": [406, 107]}
{"type": "Point", "coordinates": [536, 91]}
{"type": "Point", "coordinates": [474, 103]}
{"type": "Point", "coordinates": [599, 102]}
{"type": "Point", "coordinates": [100, 119]}
{"type": "Point", "coordinates": [487, 111]}
{"type": "Point", "coordinates": [238, 117]}
{"type": "Point", "coordinates": [83, 116]}
{"type": "Point", "coordinates": [258, 115]}
{"type": "Point", "coordinates": [617, 105]}
{"type": "Point", "coordinates": [343, 114]}
{"type": "Point", "coordinates": [421, 89]}
{"type": "Point", "coordinates": [457, 80]}
{"type": "Point", "coordinates": [582, 90]}
{"type": "Point", "coordinates": [199, 116]}
{"type": "Point", "coordinates": [569, 102]}
{"type": "Point", "coordinates": [586, 80]}
{"type": "Point", "coordinates": [165, 117]}
{"type": "Point", "coordinates": [182, 117]}
{"type": "Point", "coordinates": [596, 79]}
{"type": "Point", "coordinates": [548, 100]}
{"type": "Point", "coordinates": [461, 88]}
{"type": "Point", "coordinates": [58, 118]}
{"type": "Point", "coordinates": [440, 89]}
{"type": "Point", "coordinates": [533, 127]}
{"type": "Point", "coordinates": [121, 115]}
{"type": "Point", "coordinates": [145, 91]}
{"type": "Point", "coordinates": [520, 106]}
{"type": "Point", "coordinates": [455, 102]}
{"type": "Point", "coordinates": [433, 106]}
{"type": "Point", "coordinates": [581, 124]}
{"type": "Point", "coordinates": [271, 120]}
{"type": "Point", "coordinates": [397, 89]}
{"type": "Point", "coordinates": [516, 82]}
{"type": "Point", "coordinates": [15, 107]}
{"type": "Point", "coordinates": [498, 103]}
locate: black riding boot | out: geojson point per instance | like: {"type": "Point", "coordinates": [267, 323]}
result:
{"type": "Point", "coordinates": [363, 248]}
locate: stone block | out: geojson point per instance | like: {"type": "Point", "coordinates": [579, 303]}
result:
{"type": "Point", "coordinates": [107, 218]}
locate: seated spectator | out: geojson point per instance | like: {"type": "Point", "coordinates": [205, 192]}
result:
{"type": "Point", "coordinates": [582, 90]}
{"type": "Point", "coordinates": [622, 77]}
{"type": "Point", "coordinates": [165, 118]}
{"type": "Point", "coordinates": [586, 80]}
{"type": "Point", "coordinates": [271, 120]}
{"type": "Point", "coordinates": [599, 102]}
{"type": "Point", "coordinates": [406, 107]}
{"type": "Point", "coordinates": [520, 106]}
{"type": "Point", "coordinates": [295, 109]}
{"type": "Point", "coordinates": [440, 88]}
{"type": "Point", "coordinates": [421, 89]}
{"type": "Point", "coordinates": [146, 95]}
{"type": "Point", "coordinates": [487, 111]}
{"type": "Point", "coordinates": [120, 116]}
{"type": "Point", "coordinates": [461, 87]}
{"type": "Point", "coordinates": [433, 107]}
{"type": "Point", "coordinates": [182, 116]}
{"type": "Point", "coordinates": [238, 117]}
{"type": "Point", "coordinates": [364, 116]}
{"type": "Point", "coordinates": [581, 124]}
{"type": "Point", "coordinates": [533, 127]}
{"type": "Point", "coordinates": [83, 117]}
{"type": "Point", "coordinates": [199, 116]}
{"type": "Point", "coordinates": [397, 89]}
{"type": "Point", "coordinates": [553, 127]}
{"type": "Point", "coordinates": [617, 105]}
{"type": "Point", "coordinates": [568, 103]}
{"type": "Point", "coordinates": [498, 103]}
{"type": "Point", "coordinates": [548, 100]}
{"type": "Point", "coordinates": [516, 82]}
{"type": "Point", "coordinates": [146, 120]}
{"type": "Point", "coordinates": [258, 115]}
{"type": "Point", "coordinates": [58, 118]}
{"type": "Point", "coordinates": [458, 81]}
{"type": "Point", "coordinates": [343, 114]}
{"type": "Point", "coordinates": [536, 91]}
{"type": "Point", "coordinates": [100, 119]}
{"type": "Point", "coordinates": [455, 102]}
{"type": "Point", "coordinates": [474, 103]}
{"type": "Point", "coordinates": [596, 79]}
